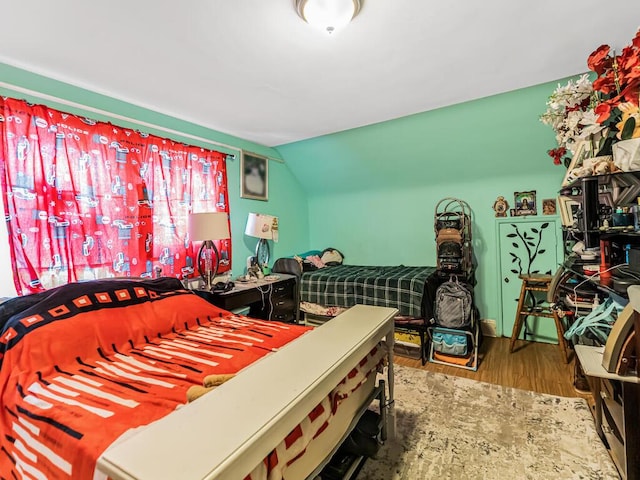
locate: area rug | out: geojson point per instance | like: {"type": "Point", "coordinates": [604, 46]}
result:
{"type": "Point", "coordinates": [455, 428]}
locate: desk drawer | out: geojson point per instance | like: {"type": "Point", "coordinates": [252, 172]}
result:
{"type": "Point", "coordinates": [282, 309]}
{"type": "Point", "coordinates": [284, 289]}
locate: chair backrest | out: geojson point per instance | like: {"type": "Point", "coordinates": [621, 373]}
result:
{"type": "Point", "coordinates": [287, 265]}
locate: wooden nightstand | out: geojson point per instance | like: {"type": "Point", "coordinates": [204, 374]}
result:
{"type": "Point", "coordinates": [266, 299]}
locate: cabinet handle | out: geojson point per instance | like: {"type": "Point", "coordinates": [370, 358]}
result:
{"type": "Point", "coordinates": [603, 394]}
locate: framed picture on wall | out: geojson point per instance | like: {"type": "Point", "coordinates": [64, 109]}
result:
{"type": "Point", "coordinates": [254, 176]}
{"type": "Point", "coordinates": [525, 203]}
{"type": "Point", "coordinates": [549, 206]}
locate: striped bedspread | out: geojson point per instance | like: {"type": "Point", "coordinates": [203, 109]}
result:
{"type": "Point", "coordinates": [347, 285]}
{"type": "Point", "coordinates": [91, 362]}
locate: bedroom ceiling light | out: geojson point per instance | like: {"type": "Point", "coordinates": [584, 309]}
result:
{"type": "Point", "coordinates": [206, 227]}
{"type": "Point", "coordinates": [264, 227]}
{"type": "Point", "coordinates": [328, 15]}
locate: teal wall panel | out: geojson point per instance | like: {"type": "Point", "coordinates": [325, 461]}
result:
{"type": "Point", "coordinates": [391, 227]}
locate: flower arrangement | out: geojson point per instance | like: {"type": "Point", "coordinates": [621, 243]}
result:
{"type": "Point", "coordinates": [603, 111]}
{"type": "Point", "coordinates": [617, 90]}
{"type": "Point", "coordinates": [570, 112]}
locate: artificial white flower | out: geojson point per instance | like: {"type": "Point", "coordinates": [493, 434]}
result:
{"type": "Point", "coordinates": [569, 113]}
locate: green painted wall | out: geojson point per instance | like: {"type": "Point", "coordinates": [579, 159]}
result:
{"type": "Point", "coordinates": [373, 190]}
{"type": "Point", "coordinates": [287, 199]}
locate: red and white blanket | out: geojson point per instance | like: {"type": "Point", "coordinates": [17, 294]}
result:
{"type": "Point", "coordinates": [87, 362]}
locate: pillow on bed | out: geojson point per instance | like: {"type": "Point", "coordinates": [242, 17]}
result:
{"type": "Point", "coordinates": [332, 257]}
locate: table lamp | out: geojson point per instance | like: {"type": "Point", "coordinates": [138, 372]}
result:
{"type": "Point", "coordinates": [264, 227]}
{"type": "Point", "coordinates": [207, 227]}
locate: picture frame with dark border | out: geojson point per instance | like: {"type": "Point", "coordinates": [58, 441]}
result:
{"type": "Point", "coordinates": [525, 203]}
{"type": "Point", "coordinates": [254, 176]}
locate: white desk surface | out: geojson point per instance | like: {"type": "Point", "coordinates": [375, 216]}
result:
{"type": "Point", "coordinates": [260, 282]}
{"type": "Point", "coordinates": [591, 361]}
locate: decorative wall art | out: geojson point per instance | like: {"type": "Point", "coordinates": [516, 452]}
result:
{"type": "Point", "coordinates": [549, 206]}
{"type": "Point", "coordinates": [500, 206]}
{"type": "Point", "coordinates": [525, 203]}
{"type": "Point", "coordinates": [254, 176]}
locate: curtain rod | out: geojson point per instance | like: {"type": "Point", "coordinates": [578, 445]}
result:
{"type": "Point", "coordinates": [117, 116]}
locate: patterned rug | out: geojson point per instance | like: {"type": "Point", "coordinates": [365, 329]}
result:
{"type": "Point", "coordinates": [454, 428]}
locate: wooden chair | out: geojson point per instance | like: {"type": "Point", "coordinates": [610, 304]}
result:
{"type": "Point", "coordinates": [530, 306]}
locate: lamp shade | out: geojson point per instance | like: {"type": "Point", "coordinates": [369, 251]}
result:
{"type": "Point", "coordinates": [264, 226]}
{"type": "Point", "coordinates": [208, 226]}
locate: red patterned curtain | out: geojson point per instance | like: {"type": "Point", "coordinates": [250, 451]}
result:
{"type": "Point", "coordinates": [86, 199]}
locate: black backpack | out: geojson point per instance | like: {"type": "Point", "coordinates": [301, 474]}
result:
{"type": "Point", "coordinates": [453, 305]}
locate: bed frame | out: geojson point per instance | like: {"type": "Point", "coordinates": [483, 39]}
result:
{"type": "Point", "coordinates": [261, 406]}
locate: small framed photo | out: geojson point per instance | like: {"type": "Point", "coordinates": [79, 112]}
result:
{"type": "Point", "coordinates": [525, 203]}
{"type": "Point", "coordinates": [569, 209]}
{"type": "Point", "coordinates": [549, 206]}
{"type": "Point", "coordinates": [254, 176]}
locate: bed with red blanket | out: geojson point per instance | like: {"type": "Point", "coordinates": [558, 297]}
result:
{"type": "Point", "coordinates": [88, 367]}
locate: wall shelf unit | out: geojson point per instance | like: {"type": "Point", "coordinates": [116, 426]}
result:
{"type": "Point", "coordinates": [616, 244]}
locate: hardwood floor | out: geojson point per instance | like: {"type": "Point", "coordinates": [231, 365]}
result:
{"type": "Point", "coordinates": [532, 366]}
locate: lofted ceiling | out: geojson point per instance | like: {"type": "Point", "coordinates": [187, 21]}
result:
{"type": "Point", "coordinates": [255, 70]}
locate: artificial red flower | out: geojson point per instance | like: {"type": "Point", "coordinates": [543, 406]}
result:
{"type": "Point", "coordinates": [628, 58]}
{"type": "Point", "coordinates": [557, 154]}
{"type": "Point", "coordinates": [605, 83]}
{"type": "Point", "coordinates": [636, 40]}
{"type": "Point", "coordinates": [603, 111]}
{"type": "Point", "coordinates": [631, 91]}
{"type": "Point", "coordinates": [599, 60]}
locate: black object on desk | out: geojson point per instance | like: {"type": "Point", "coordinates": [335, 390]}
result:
{"type": "Point", "coordinates": [222, 287]}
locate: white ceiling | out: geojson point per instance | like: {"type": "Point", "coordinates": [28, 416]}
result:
{"type": "Point", "coordinates": [254, 69]}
